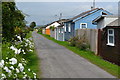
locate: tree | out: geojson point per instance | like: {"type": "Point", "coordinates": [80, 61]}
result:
{"type": "Point", "coordinates": [32, 25]}
{"type": "Point", "coordinates": [11, 18]}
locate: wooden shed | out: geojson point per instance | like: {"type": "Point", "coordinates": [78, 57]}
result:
{"type": "Point", "coordinates": [109, 47]}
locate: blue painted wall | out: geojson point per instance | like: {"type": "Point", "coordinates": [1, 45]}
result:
{"type": "Point", "coordinates": [88, 19]}
{"type": "Point", "coordinates": [75, 24]}
{"type": "Point", "coordinates": [67, 34]}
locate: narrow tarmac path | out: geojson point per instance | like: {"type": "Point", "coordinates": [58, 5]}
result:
{"type": "Point", "coordinates": [59, 62]}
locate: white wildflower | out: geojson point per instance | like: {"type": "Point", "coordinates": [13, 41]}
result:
{"type": "Point", "coordinates": [15, 75]}
{"type": "Point", "coordinates": [6, 57]}
{"type": "Point", "coordinates": [12, 47]}
{"type": "Point", "coordinates": [3, 75]}
{"type": "Point", "coordinates": [12, 67]}
{"type": "Point", "coordinates": [23, 72]}
{"type": "Point", "coordinates": [21, 67]}
{"type": "Point", "coordinates": [23, 52]}
{"type": "Point", "coordinates": [7, 70]}
{"type": "Point", "coordinates": [31, 50]}
{"type": "Point", "coordinates": [19, 38]}
{"type": "Point", "coordinates": [17, 51]}
{"type": "Point", "coordinates": [6, 62]}
{"type": "Point", "coordinates": [34, 75]}
{"type": "Point", "coordinates": [26, 44]}
{"type": "Point", "coordinates": [25, 75]}
{"type": "Point", "coordinates": [2, 63]}
{"type": "Point", "coordinates": [29, 69]}
{"type": "Point", "coordinates": [17, 70]}
{"type": "Point", "coordinates": [13, 61]}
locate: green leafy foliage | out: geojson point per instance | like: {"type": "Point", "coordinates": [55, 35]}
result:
{"type": "Point", "coordinates": [32, 25]}
{"type": "Point", "coordinates": [23, 53]}
{"type": "Point", "coordinates": [80, 43]}
{"type": "Point", "coordinates": [11, 18]}
{"type": "Point", "coordinates": [52, 28]}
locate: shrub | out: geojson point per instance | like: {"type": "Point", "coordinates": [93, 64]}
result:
{"type": "Point", "coordinates": [80, 43]}
{"type": "Point", "coordinates": [40, 30]}
{"type": "Point", "coordinates": [52, 28]}
{"type": "Point", "coordinates": [73, 41]}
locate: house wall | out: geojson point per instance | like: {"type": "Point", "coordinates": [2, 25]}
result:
{"type": "Point", "coordinates": [47, 31]}
{"type": "Point", "coordinates": [55, 24]}
{"type": "Point", "coordinates": [91, 35]}
{"type": "Point", "coordinates": [59, 34]}
{"type": "Point", "coordinates": [52, 33]}
{"type": "Point", "coordinates": [100, 23]}
{"type": "Point", "coordinates": [67, 34]}
{"type": "Point", "coordinates": [110, 53]}
{"type": "Point", "coordinates": [43, 30]}
{"type": "Point", "coordinates": [88, 19]}
{"type": "Point", "coordinates": [109, 20]}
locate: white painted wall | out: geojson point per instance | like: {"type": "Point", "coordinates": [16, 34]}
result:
{"type": "Point", "coordinates": [108, 20]}
{"type": "Point", "coordinates": [105, 21]}
{"type": "Point", "coordinates": [54, 24]}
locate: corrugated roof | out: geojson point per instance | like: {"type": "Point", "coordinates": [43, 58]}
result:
{"type": "Point", "coordinates": [86, 13]}
{"type": "Point", "coordinates": [114, 23]}
{"type": "Point", "coordinates": [83, 13]}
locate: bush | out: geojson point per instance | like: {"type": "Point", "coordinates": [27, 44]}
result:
{"type": "Point", "coordinates": [80, 43]}
{"type": "Point", "coordinates": [73, 41]}
{"type": "Point", "coordinates": [40, 30]}
{"type": "Point", "coordinates": [52, 28]}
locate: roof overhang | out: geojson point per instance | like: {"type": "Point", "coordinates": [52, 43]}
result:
{"type": "Point", "coordinates": [98, 18]}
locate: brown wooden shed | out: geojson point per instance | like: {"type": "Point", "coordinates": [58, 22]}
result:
{"type": "Point", "coordinates": [109, 42]}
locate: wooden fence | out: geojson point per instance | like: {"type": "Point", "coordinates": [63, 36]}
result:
{"type": "Point", "coordinates": [91, 35]}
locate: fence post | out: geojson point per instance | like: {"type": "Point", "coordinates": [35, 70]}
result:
{"type": "Point", "coordinates": [99, 42]}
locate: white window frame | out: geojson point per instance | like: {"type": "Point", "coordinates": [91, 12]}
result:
{"type": "Point", "coordinates": [108, 42]}
{"type": "Point", "coordinates": [81, 25]}
{"type": "Point", "coordinates": [69, 27]}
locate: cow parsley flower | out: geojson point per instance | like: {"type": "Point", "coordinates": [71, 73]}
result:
{"type": "Point", "coordinates": [13, 61]}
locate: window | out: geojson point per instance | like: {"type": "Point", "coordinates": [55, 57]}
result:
{"type": "Point", "coordinates": [110, 37]}
{"type": "Point", "coordinates": [59, 30]}
{"type": "Point", "coordinates": [65, 28]}
{"type": "Point", "coordinates": [69, 28]}
{"type": "Point", "coordinates": [83, 25]}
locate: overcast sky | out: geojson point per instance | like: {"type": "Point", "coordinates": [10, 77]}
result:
{"type": "Point", "coordinates": [46, 12]}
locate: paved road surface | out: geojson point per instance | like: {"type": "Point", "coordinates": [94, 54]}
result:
{"type": "Point", "coordinates": [59, 62]}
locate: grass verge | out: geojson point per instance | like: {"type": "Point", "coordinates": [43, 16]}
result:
{"type": "Point", "coordinates": [97, 60]}
{"type": "Point", "coordinates": [34, 61]}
